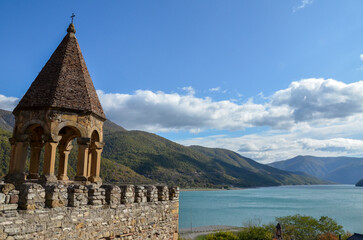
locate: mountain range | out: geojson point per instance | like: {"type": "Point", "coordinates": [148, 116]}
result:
{"type": "Point", "coordinates": [142, 157]}
{"type": "Point", "coordinates": [346, 170]}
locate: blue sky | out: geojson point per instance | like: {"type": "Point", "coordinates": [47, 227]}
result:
{"type": "Point", "coordinates": [269, 79]}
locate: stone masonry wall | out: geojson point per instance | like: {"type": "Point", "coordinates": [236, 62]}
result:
{"type": "Point", "coordinates": [76, 211]}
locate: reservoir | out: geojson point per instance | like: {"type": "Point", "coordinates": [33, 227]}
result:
{"type": "Point", "coordinates": [344, 203]}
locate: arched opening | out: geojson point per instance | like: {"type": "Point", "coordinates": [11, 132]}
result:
{"type": "Point", "coordinates": [65, 146]}
{"type": "Point", "coordinates": [36, 135]}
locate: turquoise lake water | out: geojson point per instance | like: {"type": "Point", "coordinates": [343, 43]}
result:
{"type": "Point", "coordinates": [344, 203]}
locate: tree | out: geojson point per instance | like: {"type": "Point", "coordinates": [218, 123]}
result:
{"type": "Point", "coordinates": [300, 227]}
{"type": "Point", "coordinates": [256, 233]}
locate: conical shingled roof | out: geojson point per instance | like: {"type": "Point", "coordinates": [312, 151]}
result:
{"type": "Point", "coordinates": [64, 82]}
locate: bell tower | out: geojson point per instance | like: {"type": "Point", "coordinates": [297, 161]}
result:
{"type": "Point", "coordinates": [60, 105]}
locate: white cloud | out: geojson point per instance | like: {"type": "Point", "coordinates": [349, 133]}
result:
{"type": "Point", "coordinates": [312, 101]}
{"type": "Point", "coordinates": [190, 90]}
{"type": "Point", "coordinates": [361, 57]}
{"type": "Point", "coordinates": [303, 4]}
{"type": "Point", "coordinates": [216, 89]}
{"type": "Point", "coordinates": [274, 146]}
{"type": "Point", "coordinates": [321, 117]}
{"type": "Point", "coordinates": [8, 103]}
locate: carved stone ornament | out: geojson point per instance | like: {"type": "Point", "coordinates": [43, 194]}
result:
{"type": "Point", "coordinates": [54, 117]}
{"type": "Point", "coordinates": [84, 120]}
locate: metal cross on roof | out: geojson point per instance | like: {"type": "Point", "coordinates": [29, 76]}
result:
{"type": "Point", "coordinates": [72, 17]}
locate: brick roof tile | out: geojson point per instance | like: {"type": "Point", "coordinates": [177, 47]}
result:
{"type": "Point", "coordinates": [64, 82]}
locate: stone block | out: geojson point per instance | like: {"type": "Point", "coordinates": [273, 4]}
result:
{"type": "Point", "coordinates": [56, 195]}
{"type": "Point", "coordinates": [174, 193]}
{"type": "Point", "coordinates": [127, 194]}
{"type": "Point", "coordinates": [31, 196]}
{"type": "Point", "coordinates": [113, 195]}
{"type": "Point", "coordinates": [152, 193]}
{"type": "Point", "coordinates": [14, 199]}
{"type": "Point", "coordinates": [163, 193]}
{"type": "Point", "coordinates": [140, 194]}
{"type": "Point", "coordinates": [96, 195]}
{"type": "Point", "coordinates": [77, 195]}
{"type": "Point", "coordinates": [2, 198]}
{"type": "Point", "coordinates": [6, 188]}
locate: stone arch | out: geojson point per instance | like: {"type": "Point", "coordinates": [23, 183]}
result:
{"type": "Point", "coordinates": [95, 136]}
{"type": "Point", "coordinates": [78, 127]}
{"type": "Point", "coordinates": [28, 125]}
{"type": "Point", "coordinates": [95, 132]}
{"type": "Point", "coordinates": [67, 133]}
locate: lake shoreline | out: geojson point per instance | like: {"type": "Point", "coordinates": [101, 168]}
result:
{"type": "Point", "coordinates": [192, 233]}
{"type": "Point", "coordinates": [207, 189]}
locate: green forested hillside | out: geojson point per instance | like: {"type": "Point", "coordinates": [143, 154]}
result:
{"type": "Point", "coordinates": [4, 151]}
{"type": "Point", "coordinates": [162, 160]}
{"type": "Point", "coordinates": [141, 157]}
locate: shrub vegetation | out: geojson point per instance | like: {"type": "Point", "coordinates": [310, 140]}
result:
{"type": "Point", "coordinates": [296, 227]}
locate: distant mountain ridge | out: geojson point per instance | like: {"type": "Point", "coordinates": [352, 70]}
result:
{"type": "Point", "coordinates": [142, 157]}
{"type": "Point", "coordinates": [346, 170]}
{"type": "Point", "coordinates": [7, 120]}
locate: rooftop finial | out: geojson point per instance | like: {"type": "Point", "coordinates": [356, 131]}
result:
{"type": "Point", "coordinates": [72, 17]}
{"type": "Point", "coordinates": [71, 28]}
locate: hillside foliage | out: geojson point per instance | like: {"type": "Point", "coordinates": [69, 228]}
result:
{"type": "Point", "coordinates": [141, 158]}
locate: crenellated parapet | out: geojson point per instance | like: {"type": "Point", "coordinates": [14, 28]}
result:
{"type": "Point", "coordinates": [31, 196]}
{"type": "Point", "coordinates": [88, 211]}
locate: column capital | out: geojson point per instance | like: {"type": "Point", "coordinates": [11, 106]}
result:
{"type": "Point", "coordinates": [52, 138]}
{"type": "Point", "coordinates": [99, 145]}
{"type": "Point", "coordinates": [65, 147]}
{"type": "Point", "coordinates": [37, 144]}
{"type": "Point", "coordinates": [83, 141]}
{"type": "Point", "coordinates": [19, 138]}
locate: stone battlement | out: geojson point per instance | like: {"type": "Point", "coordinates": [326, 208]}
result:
{"type": "Point", "coordinates": [88, 211]}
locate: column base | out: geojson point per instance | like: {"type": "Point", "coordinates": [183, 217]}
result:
{"type": "Point", "coordinates": [15, 178]}
{"type": "Point", "coordinates": [33, 176]}
{"type": "Point", "coordinates": [95, 179]}
{"type": "Point", "coordinates": [48, 178]}
{"type": "Point", "coordinates": [63, 177]}
{"type": "Point", "coordinates": [81, 178]}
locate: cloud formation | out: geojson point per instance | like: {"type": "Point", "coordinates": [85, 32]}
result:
{"type": "Point", "coordinates": [311, 101]}
{"type": "Point", "coordinates": [315, 116]}
{"type": "Point", "coordinates": [303, 4]}
{"type": "Point", "coordinates": [216, 89]}
{"type": "Point", "coordinates": [8, 103]}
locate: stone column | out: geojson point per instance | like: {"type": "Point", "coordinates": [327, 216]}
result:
{"type": "Point", "coordinates": [35, 149]}
{"type": "Point", "coordinates": [64, 151]}
{"type": "Point", "coordinates": [49, 161]}
{"type": "Point", "coordinates": [89, 161]}
{"type": "Point", "coordinates": [17, 160]}
{"type": "Point", "coordinates": [83, 145]}
{"type": "Point", "coordinates": [96, 162]}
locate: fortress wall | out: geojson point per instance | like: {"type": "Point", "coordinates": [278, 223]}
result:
{"type": "Point", "coordinates": [76, 211]}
